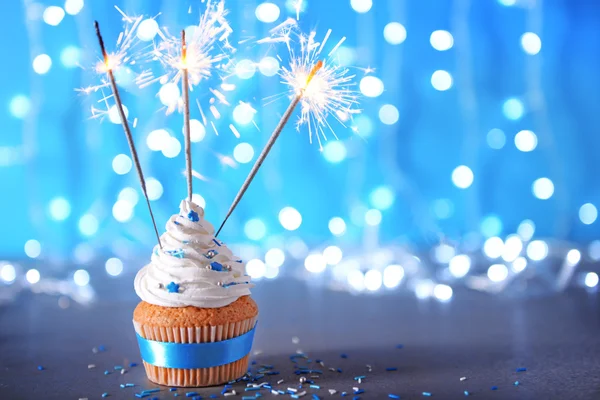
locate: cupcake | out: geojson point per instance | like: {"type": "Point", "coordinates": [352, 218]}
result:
{"type": "Point", "coordinates": [196, 320]}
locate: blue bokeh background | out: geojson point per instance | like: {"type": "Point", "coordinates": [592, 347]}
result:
{"type": "Point", "coordinates": [50, 147]}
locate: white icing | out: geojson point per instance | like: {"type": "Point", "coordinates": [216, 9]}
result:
{"type": "Point", "coordinates": [183, 260]}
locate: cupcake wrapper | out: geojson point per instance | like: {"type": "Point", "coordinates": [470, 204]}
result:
{"type": "Point", "coordinates": [205, 334]}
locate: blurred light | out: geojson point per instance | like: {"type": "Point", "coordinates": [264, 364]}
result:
{"type": "Point", "coordinates": [591, 279]}
{"type": "Point", "coordinates": [507, 3]}
{"type": "Point", "coordinates": [255, 229]}
{"type": "Point", "coordinates": [594, 250]}
{"type": "Point", "coordinates": [113, 114]}
{"type": "Point", "coordinates": [334, 152]}
{"type": "Point", "coordinates": [537, 250]}
{"type": "Point", "coordinates": [588, 213]}
{"type": "Point", "coordinates": [526, 229]}
{"type": "Point", "coordinates": [441, 40]}
{"type": "Point", "coordinates": [129, 194]}
{"type": "Point", "coordinates": [497, 272]}
{"type": "Point", "coordinates": [33, 276]}
{"type": "Point", "coordinates": [441, 80]}
{"type": "Point", "coordinates": [19, 106]}
{"type": "Point", "coordinates": [493, 247]}
{"type": "Point", "coordinates": [460, 265]}
{"type": "Point", "coordinates": [147, 30]}
{"type": "Point", "coordinates": [113, 266]}
{"type": "Point", "coordinates": [33, 248]}
{"type": "Point", "coordinates": [83, 253]}
{"type": "Point", "coordinates": [392, 276]}
{"type": "Point", "coordinates": [496, 139]}
{"type": "Point", "coordinates": [361, 6]}
{"type": "Point", "coordinates": [267, 12]}
{"type": "Point", "coordinates": [443, 208]}
{"type": "Point", "coordinates": [297, 248]}
{"type": "Point", "coordinates": [531, 43]}
{"type": "Point", "coordinates": [53, 15]}
{"type": "Point", "coordinates": [337, 226]}
{"type": "Point", "coordinates": [122, 210]}
{"type": "Point", "coordinates": [88, 225]}
{"type": "Point", "coordinates": [462, 177]}
{"type": "Point", "coordinates": [388, 114]}
{"type": "Point", "coordinates": [268, 66]}
{"type": "Point", "coordinates": [373, 217]}
{"type": "Point", "coordinates": [371, 86]}
{"type": "Point", "coordinates": [154, 189]}
{"type": "Point", "coordinates": [394, 33]}
{"type": "Point", "coordinates": [424, 289]}
{"type": "Point", "coordinates": [197, 131]}
{"type": "Point", "coordinates": [442, 292]}
{"type": "Point", "coordinates": [512, 248]}
{"type": "Point", "coordinates": [345, 56]}
{"type": "Point", "coordinates": [169, 94]}
{"type": "Point", "coordinates": [513, 109]}
{"type": "Point", "coordinates": [356, 279]}
{"type": "Point", "coordinates": [543, 188]}
{"type": "Point", "coordinates": [373, 280]}
{"type": "Point", "coordinates": [491, 225]}
{"type": "Point", "coordinates": [315, 263]}
{"type": "Point", "coordinates": [42, 64]}
{"type": "Point", "coordinates": [526, 141]}
{"type": "Point", "coordinates": [8, 273]}
{"type": "Point", "coordinates": [364, 125]}
{"type": "Point", "coordinates": [333, 255]}
{"type": "Point", "coordinates": [443, 253]}
{"type": "Point", "coordinates": [573, 257]}
{"type": "Point", "coordinates": [271, 273]}
{"type": "Point", "coordinates": [172, 147]}
{"type": "Point", "coordinates": [519, 264]}
{"type": "Point", "coordinates": [275, 258]}
{"type": "Point", "coordinates": [73, 7]}
{"type": "Point", "coordinates": [59, 209]}
{"type": "Point", "coordinates": [243, 153]}
{"type": "Point", "coordinates": [70, 56]}
{"type": "Point", "coordinates": [243, 113]}
{"type": "Point", "coordinates": [199, 200]}
{"type": "Point", "coordinates": [81, 277]}
{"type": "Point", "coordinates": [290, 218]}
{"type": "Point", "coordinates": [357, 215]}
{"type": "Point", "coordinates": [245, 69]}
{"type": "Point", "coordinates": [382, 198]}
{"type": "Point", "coordinates": [122, 164]}
{"type": "Point", "coordinates": [157, 139]}
{"type": "Point", "coordinates": [256, 268]}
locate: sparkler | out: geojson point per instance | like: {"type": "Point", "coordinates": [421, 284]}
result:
{"type": "Point", "coordinates": [109, 64]}
{"type": "Point", "coordinates": [186, 115]}
{"type": "Point", "coordinates": [270, 143]}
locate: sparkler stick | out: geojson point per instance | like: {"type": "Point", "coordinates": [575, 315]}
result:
{"type": "Point", "coordinates": [186, 114]}
{"type": "Point", "coordinates": [284, 120]}
{"type": "Point", "coordinates": [125, 124]}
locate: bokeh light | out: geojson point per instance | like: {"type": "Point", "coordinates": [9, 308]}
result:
{"type": "Point", "coordinates": [537, 250]}
{"type": "Point", "coordinates": [373, 280]}
{"type": "Point", "coordinates": [243, 114]}
{"type": "Point", "coordinates": [33, 248]}
{"type": "Point", "coordinates": [19, 106]}
{"type": "Point", "coordinates": [33, 276]}
{"type": "Point", "coordinates": [275, 258]}
{"type": "Point", "coordinates": [531, 43]}
{"type": "Point", "coordinates": [462, 177]}
{"type": "Point", "coordinates": [588, 213]}
{"type": "Point", "coordinates": [441, 40]}
{"type": "Point", "coordinates": [147, 30]}
{"type": "Point", "coordinates": [59, 208]}
{"type": "Point", "coordinates": [337, 226]}
{"type": "Point", "coordinates": [81, 277]}
{"type": "Point", "coordinates": [73, 7]}
{"type": "Point", "coordinates": [361, 6]}
{"type": "Point", "coordinates": [8, 273]}
{"type": "Point", "coordinates": [256, 268]}
{"type": "Point", "coordinates": [513, 109]}
{"type": "Point", "coordinates": [53, 15]}
{"type": "Point", "coordinates": [371, 86]}
{"type": "Point", "coordinates": [591, 279]}
{"type": "Point", "coordinates": [122, 164]}
{"type": "Point", "coordinates": [335, 152]}
{"type": "Point", "coordinates": [197, 131]}
{"type": "Point", "coordinates": [315, 263]}
{"type": "Point", "coordinates": [442, 292]}
{"type": "Point", "coordinates": [388, 114]}
{"type": "Point", "coordinates": [267, 12]}
{"type": "Point", "coordinates": [496, 139]}
{"type": "Point", "coordinates": [243, 153]}
{"type": "Point", "coordinates": [393, 275]}
{"type": "Point", "coordinates": [394, 33]}
{"type": "Point", "coordinates": [245, 69]}
{"type": "Point", "coordinates": [543, 188]}
{"type": "Point", "coordinates": [459, 265]}
{"type": "Point", "coordinates": [255, 229]}
{"type": "Point", "coordinates": [268, 66]}
{"type": "Point", "coordinates": [88, 225]}
{"type": "Point", "coordinates": [497, 272]}
{"type": "Point", "coordinates": [113, 266]}
{"type": "Point", "coordinates": [42, 64]}
{"type": "Point", "coordinates": [382, 197]}
{"type": "Point", "coordinates": [332, 255]}
{"type": "Point", "coordinates": [70, 56]}
{"type": "Point", "coordinates": [441, 80]}
{"type": "Point", "coordinates": [373, 217]}
{"type": "Point", "coordinates": [290, 218]}
{"type": "Point", "coordinates": [526, 141]}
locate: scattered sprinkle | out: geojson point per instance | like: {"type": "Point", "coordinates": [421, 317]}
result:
{"type": "Point", "coordinates": [464, 378]}
{"type": "Point", "coordinates": [302, 379]}
{"type": "Point", "coordinates": [494, 387]}
{"type": "Point", "coordinates": [279, 382]}
{"type": "Point", "coordinates": [193, 216]}
{"type": "Point", "coordinates": [172, 287]}
{"type": "Point", "coordinates": [339, 370]}
{"type": "Point", "coordinates": [191, 394]}
{"type": "Point", "coordinates": [400, 346]}
{"type": "Point", "coordinates": [466, 393]}
{"type": "Point", "coordinates": [516, 383]}
{"type": "Point", "coordinates": [359, 391]}
{"type": "Point", "coordinates": [427, 394]}
{"type": "Point", "coordinates": [393, 396]}
{"type": "Point", "coordinates": [40, 368]}
{"type": "Point", "coordinates": [391, 369]}
{"type": "Point", "coordinates": [344, 355]}
{"type": "Point", "coordinates": [521, 369]}
{"type": "Point", "coordinates": [315, 387]}
{"type": "Point", "coordinates": [131, 365]}
{"type": "Point", "coordinates": [105, 394]}
{"type": "Point", "coordinates": [90, 366]}
{"type": "Point", "coordinates": [123, 371]}
{"type": "Point", "coordinates": [101, 348]}
{"type": "Point", "coordinates": [153, 391]}
{"type": "Point", "coordinates": [332, 391]}
{"type": "Point", "coordinates": [106, 372]}
{"type": "Point", "coordinates": [215, 266]}
{"type": "Point", "coordinates": [359, 377]}
{"type": "Point", "coordinates": [344, 394]}
{"type": "Point", "coordinates": [315, 397]}
{"type": "Point", "coordinates": [118, 367]}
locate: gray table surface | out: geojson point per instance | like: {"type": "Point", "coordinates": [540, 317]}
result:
{"type": "Point", "coordinates": [478, 336]}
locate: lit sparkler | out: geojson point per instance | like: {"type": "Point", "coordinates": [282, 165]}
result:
{"type": "Point", "coordinates": [108, 65]}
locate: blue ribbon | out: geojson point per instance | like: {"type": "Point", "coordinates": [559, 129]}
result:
{"type": "Point", "coordinates": [195, 355]}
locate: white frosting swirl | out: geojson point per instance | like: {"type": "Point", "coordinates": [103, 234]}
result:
{"type": "Point", "coordinates": [186, 261]}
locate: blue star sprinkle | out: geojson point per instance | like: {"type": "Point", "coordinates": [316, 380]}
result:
{"type": "Point", "coordinates": [193, 216]}
{"type": "Point", "coordinates": [172, 287]}
{"type": "Point", "coordinates": [215, 266]}
{"type": "Point", "coordinates": [178, 253]}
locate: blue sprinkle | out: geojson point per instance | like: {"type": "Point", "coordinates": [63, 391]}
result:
{"type": "Point", "coordinates": [280, 392]}
{"type": "Point", "coordinates": [466, 393]}
{"type": "Point", "coordinates": [344, 394]}
{"type": "Point", "coordinates": [339, 370]}
{"type": "Point", "coordinates": [516, 383]}
{"type": "Point", "coordinates": [101, 348]}
{"type": "Point", "coordinates": [191, 394]}
{"type": "Point", "coordinates": [253, 363]}
{"type": "Point", "coordinates": [427, 394]}
{"type": "Point", "coordinates": [272, 373]}
{"type": "Point", "coordinates": [344, 355]}
{"type": "Point", "coordinates": [122, 386]}
{"type": "Point", "coordinates": [391, 369]}
{"type": "Point", "coordinates": [359, 391]}
{"type": "Point", "coordinates": [215, 266]}
{"type": "Point", "coordinates": [177, 253]}
{"type": "Point", "coordinates": [141, 396]}
{"type": "Point", "coordinates": [268, 386]}
{"type": "Point", "coordinates": [129, 385]}
{"type": "Point", "coordinates": [393, 396]}
{"type": "Point", "coordinates": [118, 367]}
{"type": "Point", "coordinates": [106, 372]}
{"type": "Point", "coordinates": [400, 346]}
{"type": "Point", "coordinates": [172, 287]}
{"type": "Point", "coordinates": [131, 365]}
{"type": "Point", "coordinates": [252, 389]}
{"type": "Point", "coordinates": [315, 397]}
{"type": "Point", "coordinates": [293, 396]}
{"type": "Point", "coordinates": [239, 261]}
{"type": "Point", "coordinates": [359, 377]}
{"type": "Point", "coordinates": [315, 387]}
{"type": "Point", "coordinates": [149, 391]}
{"type": "Point", "coordinates": [494, 387]}
{"type": "Point", "coordinates": [195, 398]}
{"type": "Point", "coordinates": [356, 398]}
{"type": "Point", "coordinates": [104, 394]}
{"type": "Point", "coordinates": [217, 242]}
{"type": "Point", "coordinates": [214, 396]}
{"type": "Point", "coordinates": [176, 223]}
{"type": "Point", "coordinates": [193, 216]}
{"type": "Point", "coordinates": [521, 369]}
{"type": "Point", "coordinates": [40, 368]}
{"type": "Point", "coordinates": [172, 389]}
{"type": "Point", "coordinates": [249, 398]}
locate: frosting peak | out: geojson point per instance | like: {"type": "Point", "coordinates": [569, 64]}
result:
{"type": "Point", "coordinates": [193, 268]}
